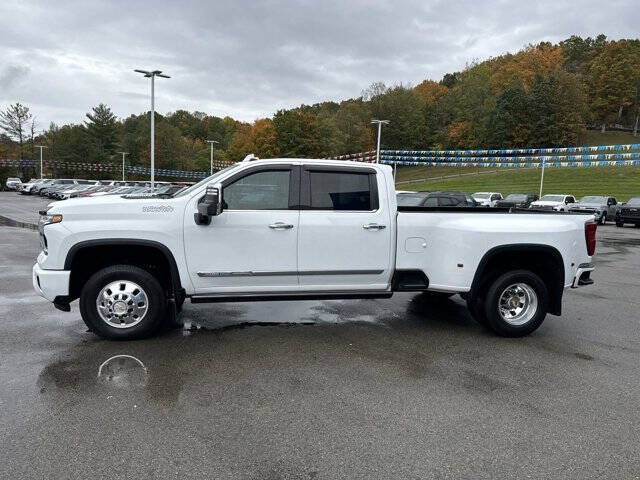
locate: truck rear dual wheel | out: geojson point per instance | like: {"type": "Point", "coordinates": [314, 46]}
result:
{"type": "Point", "coordinates": [123, 302]}
{"type": "Point", "coordinates": [516, 304]}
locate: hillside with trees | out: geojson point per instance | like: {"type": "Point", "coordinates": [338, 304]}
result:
{"type": "Point", "coordinates": [544, 95]}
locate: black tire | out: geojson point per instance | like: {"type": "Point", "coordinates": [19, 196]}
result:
{"type": "Point", "coordinates": [603, 219]}
{"type": "Point", "coordinates": [494, 319]}
{"type": "Point", "coordinates": [156, 308]}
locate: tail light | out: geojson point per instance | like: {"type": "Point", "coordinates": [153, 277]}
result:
{"type": "Point", "coordinates": [590, 237]}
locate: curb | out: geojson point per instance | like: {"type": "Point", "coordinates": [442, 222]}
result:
{"type": "Point", "coordinates": [10, 222]}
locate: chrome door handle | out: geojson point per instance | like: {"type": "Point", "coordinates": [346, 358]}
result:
{"type": "Point", "coordinates": [280, 226]}
{"type": "Point", "coordinates": [373, 226]}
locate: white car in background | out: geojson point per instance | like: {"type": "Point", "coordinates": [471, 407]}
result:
{"type": "Point", "coordinates": [487, 199]}
{"type": "Point", "coordinates": [557, 202]}
{"type": "Point", "coordinates": [12, 183]}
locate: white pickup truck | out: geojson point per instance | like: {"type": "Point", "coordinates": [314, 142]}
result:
{"type": "Point", "coordinates": [289, 229]}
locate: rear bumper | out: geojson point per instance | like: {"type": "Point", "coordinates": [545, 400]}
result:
{"type": "Point", "coordinates": [582, 277]}
{"type": "Point", "coordinates": [50, 283]}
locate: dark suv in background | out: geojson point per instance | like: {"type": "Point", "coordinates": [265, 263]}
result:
{"type": "Point", "coordinates": [629, 212]}
{"type": "Point", "coordinates": [435, 199]}
{"type": "Point", "coordinates": [517, 200]}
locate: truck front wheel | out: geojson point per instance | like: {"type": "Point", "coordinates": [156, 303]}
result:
{"type": "Point", "coordinates": [123, 302]}
{"type": "Point", "coordinates": [516, 303]}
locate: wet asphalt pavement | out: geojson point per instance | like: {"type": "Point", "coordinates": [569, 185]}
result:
{"type": "Point", "coordinates": [400, 388]}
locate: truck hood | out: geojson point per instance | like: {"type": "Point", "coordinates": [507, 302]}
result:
{"type": "Point", "coordinates": [546, 203]}
{"type": "Point", "coordinates": [109, 204]}
{"type": "Point", "coordinates": [588, 205]}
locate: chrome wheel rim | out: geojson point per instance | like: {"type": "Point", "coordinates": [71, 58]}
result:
{"type": "Point", "coordinates": [122, 304]}
{"type": "Point", "coordinates": [518, 304]}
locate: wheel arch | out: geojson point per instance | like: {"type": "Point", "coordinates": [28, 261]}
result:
{"type": "Point", "coordinates": [543, 260]}
{"type": "Point", "coordinates": [99, 253]}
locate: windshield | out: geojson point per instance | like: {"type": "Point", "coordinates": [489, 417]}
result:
{"type": "Point", "coordinates": [481, 195]}
{"type": "Point", "coordinates": [593, 199]}
{"type": "Point", "coordinates": [193, 188]}
{"type": "Point", "coordinates": [634, 202]}
{"type": "Point", "coordinates": [516, 197]}
{"type": "Point", "coordinates": [410, 199]}
{"type": "Point", "coordinates": [552, 198]}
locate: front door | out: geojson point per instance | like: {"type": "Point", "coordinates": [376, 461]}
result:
{"type": "Point", "coordinates": [251, 246]}
{"type": "Point", "coordinates": [344, 242]}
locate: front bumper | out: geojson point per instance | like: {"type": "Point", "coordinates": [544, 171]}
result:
{"type": "Point", "coordinates": [50, 283]}
{"type": "Point", "coordinates": [582, 277]}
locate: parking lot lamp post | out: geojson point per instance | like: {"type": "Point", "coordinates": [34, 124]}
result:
{"type": "Point", "coordinates": [152, 75]}
{"type": "Point", "coordinates": [542, 177]}
{"type": "Point", "coordinates": [123, 154]}
{"type": "Point", "coordinates": [40, 147]}
{"type": "Point", "coordinates": [379, 122]}
{"type": "Point", "coordinates": [211, 142]}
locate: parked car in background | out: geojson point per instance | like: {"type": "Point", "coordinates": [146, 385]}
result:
{"type": "Point", "coordinates": [56, 184]}
{"type": "Point", "coordinates": [557, 202]}
{"type": "Point", "coordinates": [629, 212]}
{"type": "Point", "coordinates": [487, 199]}
{"type": "Point", "coordinates": [435, 199]}
{"type": "Point", "coordinates": [12, 183]}
{"type": "Point", "coordinates": [603, 207]}
{"type": "Point", "coordinates": [25, 188]}
{"type": "Point", "coordinates": [517, 200]}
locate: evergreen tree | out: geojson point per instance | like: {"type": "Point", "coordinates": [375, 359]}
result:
{"type": "Point", "coordinates": [102, 129]}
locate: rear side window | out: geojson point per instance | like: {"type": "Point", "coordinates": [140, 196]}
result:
{"type": "Point", "coordinates": [341, 191]}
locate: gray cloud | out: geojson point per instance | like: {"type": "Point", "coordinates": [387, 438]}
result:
{"type": "Point", "coordinates": [249, 59]}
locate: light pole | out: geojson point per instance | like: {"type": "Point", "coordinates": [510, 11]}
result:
{"type": "Point", "coordinates": [40, 147]}
{"type": "Point", "coordinates": [542, 177]}
{"type": "Point", "coordinates": [211, 142]}
{"type": "Point", "coordinates": [123, 154]}
{"type": "Point", "coordinates": [152, 75]}
{"type": "Point", "coordinates": [379, 122]}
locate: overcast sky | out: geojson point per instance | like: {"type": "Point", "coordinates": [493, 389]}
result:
{"type": "Point", "coordinates": [249, 59]}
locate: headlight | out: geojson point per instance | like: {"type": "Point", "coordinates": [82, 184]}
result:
{"type": "Point", "coordinates": [46, 219]}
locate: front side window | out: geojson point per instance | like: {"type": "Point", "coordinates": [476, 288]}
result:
{"type": "Point", "coordinates": [267, 190]}
{"type": "Point", "coordinates": [340, 191]}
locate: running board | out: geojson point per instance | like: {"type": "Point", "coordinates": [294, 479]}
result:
{"type": "Point", "coordinates": [271, 297]}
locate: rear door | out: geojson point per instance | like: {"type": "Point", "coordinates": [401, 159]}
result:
{"type": "Point", "coordinates": [344, 239]}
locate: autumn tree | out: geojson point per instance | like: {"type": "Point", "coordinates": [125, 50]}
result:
{"type": "Point", "coordinates": [612, 80]}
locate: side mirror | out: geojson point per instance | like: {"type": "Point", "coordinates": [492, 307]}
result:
{"type": "Point", "coordinates": [209, 206]}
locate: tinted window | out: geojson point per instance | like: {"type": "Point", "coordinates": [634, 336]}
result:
{"type": "Point", "coordinates": [446, 202]}
{"type": "Point", "coordinates": [593, 199]}
{"type": "Point", "coordinates": [340, 191]}
{"type": "Point", "coordinates": [431, 202]}
{"type": "Point", "coordinates": [410, 200]}
{"type": "Point", "coordinates": [495, 197]}
{"type": "Point", "coordinates": [516, 197]}
{"type": "Point", "coordinates": [259, 191]}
